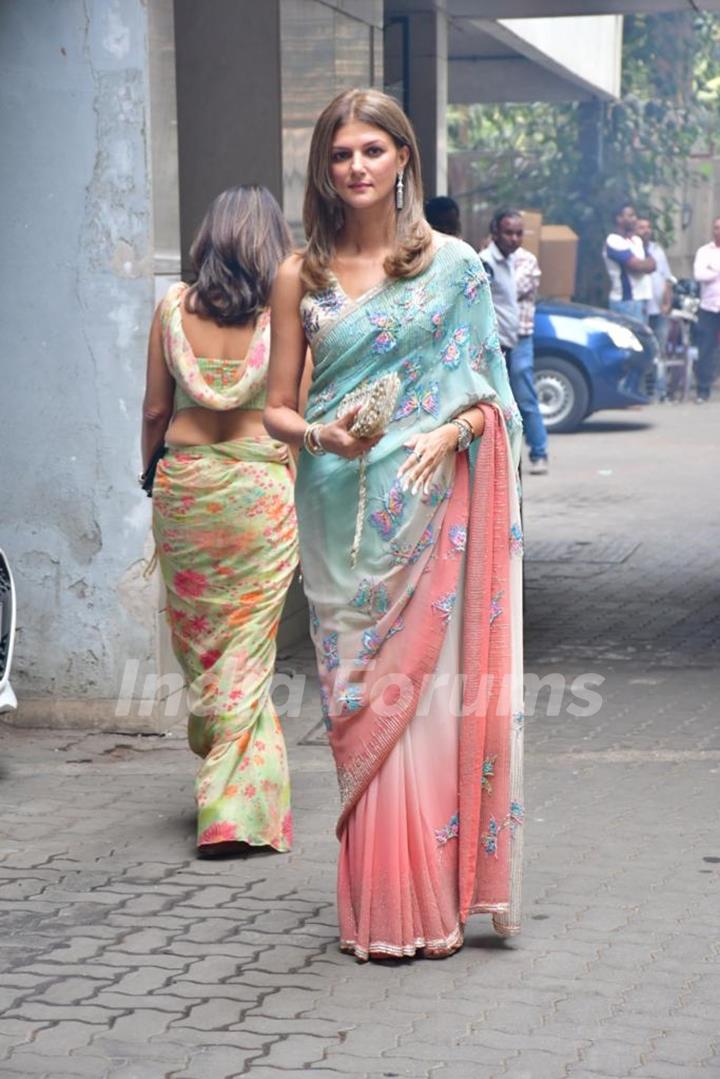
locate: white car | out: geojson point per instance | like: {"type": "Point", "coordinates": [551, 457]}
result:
{"type": "Point", "coordinates": [8, 700]}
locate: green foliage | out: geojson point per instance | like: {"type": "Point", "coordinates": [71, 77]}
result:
{"type": "Point", "coordinates": [575, 161]}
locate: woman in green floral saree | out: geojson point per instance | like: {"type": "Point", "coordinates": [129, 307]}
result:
{"type": "Point", "coordinates": [223, 517]}
{"type": "Point", "coordinates": [411, 558]}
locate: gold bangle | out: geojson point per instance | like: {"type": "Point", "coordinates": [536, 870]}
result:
{"type": "Point", "coordinates": [311, 440]}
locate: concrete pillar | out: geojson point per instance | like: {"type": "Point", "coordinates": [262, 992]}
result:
{"type": "Point", "coordinates": [417, 53]}
{"type": "Point", "coordinates": [163, 143]}
{"type": "Point", "coordinates": [228, 102]}
{"type": "Point", "coordinates": [251, 81]}
{"type": "Point", "coordinates": [325, 48]}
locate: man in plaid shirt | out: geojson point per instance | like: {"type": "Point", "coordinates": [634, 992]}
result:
{"type": "Point", "coordinates": [514, 284]}
{"type": "Point", "coordinates": [522, 360]}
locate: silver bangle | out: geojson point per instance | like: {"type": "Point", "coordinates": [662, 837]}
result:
{"type": "Point", "coordinates": [465, 434]}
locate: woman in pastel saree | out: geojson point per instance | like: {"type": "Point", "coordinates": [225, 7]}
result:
{"type": "Point", "coordinates": [410, 548]}
{"type": "Point", "coordinates": [223, 517]}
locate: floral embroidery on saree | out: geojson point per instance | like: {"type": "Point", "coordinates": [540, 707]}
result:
{"type": "Point", "coordinates": [445, 605]}
{"type": "Point", "coordinates": [409, 554]}
{"type": "Point", "coordinates": [512, 821]}
{"type": "Point", "coordinates": [458, 538]}
{"type": "Point", "coordinates": [449, 831]}
{"type": "Point", "coordinates": [419, 399]}
{"type": "Point", "coordinates": [330, 657]}
{"type": "Point", "coordinates": [516, 540]}
{"type": "Point", "coordinates": [372, 598]}
{"type": "Point", "coordinates": [488, 771]}
{"type": "Point", "coordinates": [453, 351]}
{"type": "Point", "coordinates": [387, 520]}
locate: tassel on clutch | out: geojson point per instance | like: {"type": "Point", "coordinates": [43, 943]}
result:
{"type": "Point", "coordinates": [378, 400]}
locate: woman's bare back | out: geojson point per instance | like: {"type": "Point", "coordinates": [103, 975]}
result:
{"type": "Point", "coordinates": [198, 426]}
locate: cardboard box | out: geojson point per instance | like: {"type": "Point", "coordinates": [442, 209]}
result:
{"type": "Point", "coordinates": [532, 224]}
{"type": "Point", "coordinates": [558, 261]}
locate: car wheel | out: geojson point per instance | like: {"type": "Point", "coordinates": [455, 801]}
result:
{"type": "Point", "coordinates": [562, 393]}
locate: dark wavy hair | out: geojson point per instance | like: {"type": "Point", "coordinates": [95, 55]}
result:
{"type": "Point", "coordinates": [235, 255]}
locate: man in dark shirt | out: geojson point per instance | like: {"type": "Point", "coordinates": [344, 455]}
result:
{"type": "Point", "coordinates": [443, 215]}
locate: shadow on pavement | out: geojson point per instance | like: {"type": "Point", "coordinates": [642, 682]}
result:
{"type": "Point", "coordinates": [590, 427]}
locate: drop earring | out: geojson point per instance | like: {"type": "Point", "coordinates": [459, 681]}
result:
{"type": "Point", "coordinates": [400, 190]}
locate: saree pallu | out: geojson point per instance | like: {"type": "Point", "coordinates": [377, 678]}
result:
{"type": "Point", "coordinates": [419, 646]}
{"type": "Point", "coordinates": [226, 536]}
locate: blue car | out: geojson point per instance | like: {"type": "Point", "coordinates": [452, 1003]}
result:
{"type": "Point", "coordinates": [582, 357]}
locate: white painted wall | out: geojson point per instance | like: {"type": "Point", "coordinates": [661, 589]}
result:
{"type": "Point", "coordinates": [77, 285]}
{"type": "Point", "coordinates": [587, 48]}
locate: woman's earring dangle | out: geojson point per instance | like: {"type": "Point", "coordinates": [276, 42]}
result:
{"type": "Point", "coordinates": [400, 190]}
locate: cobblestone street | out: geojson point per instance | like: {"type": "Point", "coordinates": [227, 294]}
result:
{"type": "Point", "coordinates": [124, 956]}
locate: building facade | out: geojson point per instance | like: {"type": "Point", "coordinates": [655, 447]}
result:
{"type": "Point", "coordinates": [120, 120]}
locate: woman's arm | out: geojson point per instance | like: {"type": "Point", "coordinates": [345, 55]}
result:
{"type": "Point", "coordinates": [159, 390]}
{"type": "Point", "coordinates": [282, 417]}
{"type": "Point", "coordinates": [429, 449]}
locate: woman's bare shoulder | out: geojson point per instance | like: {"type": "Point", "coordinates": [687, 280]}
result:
{"type": "Point", "coordinates": [288, 286]}
{"type": "Point", "coordinates": [290, 268]}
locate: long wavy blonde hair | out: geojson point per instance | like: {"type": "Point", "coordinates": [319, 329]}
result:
{"type": "Point", "coordinates": [323, 210]}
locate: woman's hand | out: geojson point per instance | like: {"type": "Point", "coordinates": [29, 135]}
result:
{"type": "Point", "coordinates": [335, 437]}
{"type": "Point", "coordinates": [428, 451]}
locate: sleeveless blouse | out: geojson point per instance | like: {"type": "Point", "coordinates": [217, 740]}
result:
{"type": "Point", "coordinates": [320, 310]}
{"type": "Point", "coordinates": [216, 384]}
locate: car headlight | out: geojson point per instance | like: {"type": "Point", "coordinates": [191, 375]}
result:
{"type": "Point", "coordinates": [621, 336]}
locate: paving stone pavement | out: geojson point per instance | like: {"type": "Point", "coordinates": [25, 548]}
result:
{"type": "Point", "coordinates": [124, 956]}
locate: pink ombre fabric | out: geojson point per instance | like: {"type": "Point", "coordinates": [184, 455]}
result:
{"type": "Point", "coordinates": [401, 886]}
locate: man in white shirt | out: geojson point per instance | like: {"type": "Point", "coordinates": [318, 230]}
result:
{"type": "Point", "coordinates": [660, 302]}
{"type": "Point", "coordinates": [660, 282]}
{"type": "Point", "coordinates": [706, 270]}
{"type": "Point", "coordinates": [629, 266]}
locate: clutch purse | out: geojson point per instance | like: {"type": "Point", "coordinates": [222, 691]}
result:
{"type": "Point", "coordinates": [147, 479]}
{"type": "Point", "coordinates": [378, 400]}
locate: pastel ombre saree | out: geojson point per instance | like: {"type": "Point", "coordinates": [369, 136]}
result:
{"type": "Point", "coordinates": [419, 646]}
{"type": "Point", "coordinates": [226, 535]}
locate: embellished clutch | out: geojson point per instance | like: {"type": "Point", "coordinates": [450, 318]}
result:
{"type": "Point", "coordinates": [378, 400]}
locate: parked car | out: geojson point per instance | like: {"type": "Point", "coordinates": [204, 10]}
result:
{"type": "Point", "coordinates": [582, 356]}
